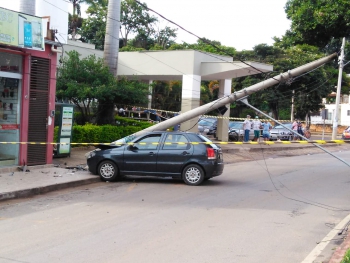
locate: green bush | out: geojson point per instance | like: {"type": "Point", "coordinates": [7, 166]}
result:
{"type": "Point", "coordinates": [90, 133]}
{"type": "Point", "coordinates": [121, 121]}
{"type": "Point", "coordinates": [346, 258]}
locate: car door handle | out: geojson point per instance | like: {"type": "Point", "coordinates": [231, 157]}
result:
{"type": "Point", "coordinates": [185, 153]}
{"type": "Point", "coordinates": [151, 153]}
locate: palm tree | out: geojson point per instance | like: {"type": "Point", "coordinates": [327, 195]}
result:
{"type": "Point", "coordinates": [27, 6]}
{"type": "Point", "coordinates": [111, 47]}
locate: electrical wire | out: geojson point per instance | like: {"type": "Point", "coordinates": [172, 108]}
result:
{"type": "Point", "coordinates": [267, 170]}
{"type": "Point", "coordinates": [202, 39]}
{"type": "Point", "coordinates": [320, 205]}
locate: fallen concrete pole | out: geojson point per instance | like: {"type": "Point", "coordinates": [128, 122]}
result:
{"type": "Point", "coordinates": [231, 98]}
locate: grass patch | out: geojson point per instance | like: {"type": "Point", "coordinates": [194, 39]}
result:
{"type": "Point", "coordinates": [346, 258]}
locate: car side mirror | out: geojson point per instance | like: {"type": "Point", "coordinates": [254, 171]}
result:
{"type": "Point", "coordinates": [132, 148]}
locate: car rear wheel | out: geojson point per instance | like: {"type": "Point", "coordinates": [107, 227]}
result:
{"type": "Point", "coordinates": [193, 174]}
{"type": "Point", "coordinates": [108, 171]}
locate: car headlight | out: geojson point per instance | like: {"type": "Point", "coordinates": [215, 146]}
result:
{"type": "Point", "coordinates": [90, 154]}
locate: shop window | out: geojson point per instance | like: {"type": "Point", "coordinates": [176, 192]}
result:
{"type": "Point", "coordinates": [10, 62]}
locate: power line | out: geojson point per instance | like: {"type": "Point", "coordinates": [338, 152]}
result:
{"type": "Point", "coordinates": [202, 39]}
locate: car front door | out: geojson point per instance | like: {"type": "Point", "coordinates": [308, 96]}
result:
{"type": "Point", "coordinates": [141, 158]}
{"type": "Point", "coordinates": [173, 153]}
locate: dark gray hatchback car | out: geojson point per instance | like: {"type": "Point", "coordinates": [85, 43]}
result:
{"type": "Point", "coordinates": [183, 155]}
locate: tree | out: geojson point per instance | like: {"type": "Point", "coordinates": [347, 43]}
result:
{"type": "Point", "coordinates": [75, 21]}
{"type": "Point", "coordinates": [165, 37]}
{"type": "Point", "coordinates": [94, 27]}
{"type": "Point", "coordinates": [167, 95]}
{"type": "Point", "coordinates": [309, 88]}
{"type": "Point", "coordinates": [316, 22]}
{"type": "Point", "coordinates": [87, 81]}
{"type": "Point", "coordinates": [206, 45]}
{"type": "Point", "coordinates": [135, 19]}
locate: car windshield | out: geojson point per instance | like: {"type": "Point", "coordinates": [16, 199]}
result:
{"type": "Point", "coordinates": [281, 127]}
{"type": "Point", "coordinates": [205, 123]}
{"type": "Point", "coordinates": [235, 125]}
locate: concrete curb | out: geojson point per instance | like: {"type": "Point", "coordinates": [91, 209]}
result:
{"type": "Point", "coordinates": [45, 189]}
{"type": "Point", "coordinates": [340, 251]}
{"type": "Point", "coordinates": [256, 148]}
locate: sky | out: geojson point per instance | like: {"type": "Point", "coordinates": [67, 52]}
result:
{"type": "Point", "coordinates": [241, 24]}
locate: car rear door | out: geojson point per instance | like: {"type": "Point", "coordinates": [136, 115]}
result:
{"type": "Point", "coordinates": [141, 158]}
{"type": "Point", "coordinates": [173, 153]}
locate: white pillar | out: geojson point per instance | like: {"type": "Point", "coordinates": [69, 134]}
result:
{"type": "Point", "coordinates": [337, 99]}
{"type": "Point", "coordinates": [150, 89]}
{"type": "Point", "coordinates": [191, 93]}
{"type": "Point", "coordinates": [222, 129]}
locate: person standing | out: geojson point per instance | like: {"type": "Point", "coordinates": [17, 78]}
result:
{"type": "Point", "coordinates": [300, 130]}
{"type": "Point", "coordinates": [295, 129]}
{"type": "Point", "coordinates": [247, 126]}
{"type": "Point", "coordinates": [266, 130]}
{"type": "Point", "coordinates": [256, 128]}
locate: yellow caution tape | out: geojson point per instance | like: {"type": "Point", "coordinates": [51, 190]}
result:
{"type": "Point", "coordinates": [202, 116]}
{"type": "Point", "coordinates": [183, 143]}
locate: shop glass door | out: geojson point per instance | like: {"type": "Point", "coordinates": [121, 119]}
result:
{"type": "Point", "coordinates": [10, 105]}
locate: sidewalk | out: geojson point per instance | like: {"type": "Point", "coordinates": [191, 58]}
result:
{"type": "Point", "coordinates": [46, 178]}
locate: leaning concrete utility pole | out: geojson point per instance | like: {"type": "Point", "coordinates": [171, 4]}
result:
{"type": "Point", "coordinates": [337, 99]}
{"type": "Point", "coordinates": [111, 47]}
{"type": "Point", "coordinates": [231, 98]}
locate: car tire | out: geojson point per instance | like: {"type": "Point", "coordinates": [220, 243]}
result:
{"type": "Point", "coordinates": [193, 174]}
{"type": "Point", "coordinates": [234, 137]}
{"type": "Point", "coordinates": [108, 171]}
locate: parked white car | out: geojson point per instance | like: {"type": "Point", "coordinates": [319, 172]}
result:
{"type": "Point", "coordinates": [236, 132]}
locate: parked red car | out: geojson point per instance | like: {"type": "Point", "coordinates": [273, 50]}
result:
{"type": "Point", "coordinates": [346, 134]}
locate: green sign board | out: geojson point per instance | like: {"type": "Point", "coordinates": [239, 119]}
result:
{"type": "Point", "coordinates": [64, 115]}
{"type": "Point", "coordinates": [67, 121]}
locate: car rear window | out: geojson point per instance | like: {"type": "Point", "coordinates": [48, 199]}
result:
{"type": "Point", "coordinates": [201, 138]}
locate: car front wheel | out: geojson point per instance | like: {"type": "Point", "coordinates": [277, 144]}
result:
{"type": "Point", "coordinates": [108, 171]}
{"type": "Point", "coordinates": [193, 174]}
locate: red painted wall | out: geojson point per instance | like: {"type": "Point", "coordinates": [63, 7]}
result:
{"type": "Point", "coordinates": [48, 54]}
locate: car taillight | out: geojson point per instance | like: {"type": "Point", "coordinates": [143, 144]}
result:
{"type": "Point", "coordinates": [211, 153]}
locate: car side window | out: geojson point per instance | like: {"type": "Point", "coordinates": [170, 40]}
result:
{"type": "Point", "coordinates": [176, 141]}
{"type": "Point", "coordinates": [149, 142]}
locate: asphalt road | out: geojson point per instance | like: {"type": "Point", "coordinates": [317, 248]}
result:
{"type": "Point", "coordinates": [268, 210]}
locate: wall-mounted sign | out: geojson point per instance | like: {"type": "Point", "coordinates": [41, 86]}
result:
{"type": "Point", "coordinates": [67, 121]}
{"type": "Point", "coordinates": [21, 30]}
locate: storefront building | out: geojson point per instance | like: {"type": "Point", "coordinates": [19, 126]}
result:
{"type": "Point", "coordinates": [28, 64]}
